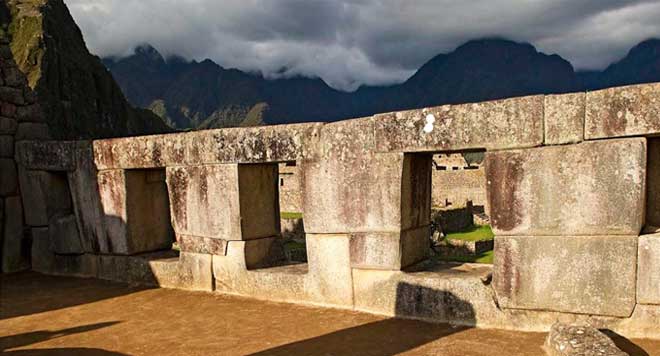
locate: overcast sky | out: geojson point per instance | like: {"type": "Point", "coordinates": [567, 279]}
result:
{"type": "Point", "coordinates": [353, 42]}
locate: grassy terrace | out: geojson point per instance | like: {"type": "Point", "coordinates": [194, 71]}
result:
{"type": "Point", "coordinates": [474, 233]}
{"type": "Point", "coordinates": [290, 215]}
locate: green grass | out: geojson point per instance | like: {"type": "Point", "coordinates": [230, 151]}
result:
{"type": "Point", "coordinates": [485, 258]}
{"type": "Point", "coordinates": [290, 215]}
{"type": "Point", "coordinates": [474, 233]}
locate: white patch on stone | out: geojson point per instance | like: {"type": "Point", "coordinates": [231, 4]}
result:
{"type": "Point", "coordinates": [430, 119]}
{"type": "Point", "coordinates": [428, 128]}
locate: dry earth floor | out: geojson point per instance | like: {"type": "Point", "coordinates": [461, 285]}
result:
{"type": "Point", "coordinates": [41, 315]}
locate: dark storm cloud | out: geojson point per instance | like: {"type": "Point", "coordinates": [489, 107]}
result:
{"type": "Point", "coordinates": [353, 42]}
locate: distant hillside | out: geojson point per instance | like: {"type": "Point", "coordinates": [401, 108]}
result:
{"type": "Point", "coordinates": [641, 65]}
{"type": "Point", "coordinates": [204, 94]}
{"type": "Point", "coordinates": [79, 97]}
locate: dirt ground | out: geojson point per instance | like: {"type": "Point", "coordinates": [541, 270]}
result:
{"type": "Point", "coordinates": [42, 315]}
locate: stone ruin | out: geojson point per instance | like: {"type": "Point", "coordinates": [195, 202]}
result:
{"type": "Point", "coordinates": [573, 189]}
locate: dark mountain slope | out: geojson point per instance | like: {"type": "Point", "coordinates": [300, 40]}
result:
{"type": "Point", "coordinates": [193, 94]}
{"type": "Point", "coordinates": [641, 65]}
{"type": "Point", "coordinates": [78, 95]}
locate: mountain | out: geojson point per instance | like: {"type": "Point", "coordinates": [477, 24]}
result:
{"type": "Point", "coordinates": [641, 65]}
{"type": "Point", "coordinates": [77, 94]}
{"type": "Point", "coordinates": [204, 94]}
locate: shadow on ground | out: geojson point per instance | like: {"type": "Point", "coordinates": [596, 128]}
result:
{"type": "Point", "coordinates": [69, 292]}
{"type": "Point", "coordinates": [26, 339]}
{"type": "Point", "coordinates": [390, 336]}
{"type": "Point", "coordinates": [625, 345]}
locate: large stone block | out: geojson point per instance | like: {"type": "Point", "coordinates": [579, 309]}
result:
{"type": "Point", "coordinates": [6, 146]}
{"type": "Point", "coordinates": [49, 155]}
{"type": "Point", "coordinates": [389, 250]}
{"type": "Point", "coordinates": [352, 189]}
{"type": "Point", "coordinates": [329, 279]}
{"type": "Point", "coordinates": [136, 208]}
{"type": "Point", "coordinates": [196, 271]}
{"type": "Point", "coordinates": [653, 184]}
{"type": "Point", "coordinates": [7, 126]}
{"type": "Point", "coordinates": [32, 131]}
{"type": "Point", "coordinates": [592, 188]}
{"type": "Point", "coordinates": [8, 177]}
{"type": "Point", "coordinates": [564, 118]}
{"type": "Point", "coordinates": [15, 251]}
{"type": "Point", "coordinates": [571, 274]}
{"type": "Point", "coordinates": [648, 270]}
{"type": "Point", "coordinates": [83, 266]}
{"type": "Point", "coordinates": [86, 200]}
{"type": "Point", "coordinates": [227, 202]}
{"type": "Point", "coordinates": [500, 124]}
{"type": "Point", "coordinates": [234, 145]}
{"type": "Point", "coordinates": [64, 236]}
{"type": "Point", "coordinates": [34, 191]}
{"type": "Point", "coordinates": [623, 111]}
{"type": "Point", "coordinates": [43, 258]}
{"type": "Point", "coordinates": [45, 194]}
{"type": "Point", "coordinates": [448, 293]}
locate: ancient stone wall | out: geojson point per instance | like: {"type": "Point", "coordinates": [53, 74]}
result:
{"type": "Point", "coordinates": [569, 181]}
{"type": "Point", "coordinates": [21, 119]}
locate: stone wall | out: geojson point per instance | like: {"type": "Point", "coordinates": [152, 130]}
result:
{"type": "Point", "coordinates": [21, 119]}
{"type": "Point", "coordinates": [567, 180]}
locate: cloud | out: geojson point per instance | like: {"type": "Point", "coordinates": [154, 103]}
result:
{"type": "Point", "coordinates": [348, 43]}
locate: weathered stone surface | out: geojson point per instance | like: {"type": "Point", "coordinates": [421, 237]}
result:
{"type": "Point", "coordinates": [154, 269]}
{"type": "Point", "coordinates": [32, 131]}
{"type": "Point", "coordinates": [83, 266]}
{"type": "Point", "coordinates": [623, 111]}
{"type": "Point", "coordinates": [7, 126]}
{"type": "Point", "coordinates": [30, 113]}
{"type": "Point", "coordinates": [64, 236]}
{"type": "Point", "coordinates": [195, 271]}
{"type": "Point", "coordinates": [204, 201]}
{"type": "Point", "coordinates": [500, 124]}
{"type": "Point", "coordinates": [592, 188]}
{"type": "Point", "coordinates": [228, 202]}
{"type": "Point", "coordinates": [13, 77]}
{"type": "Point", "coordinates": [572, 274]}
{"type": "Point", "coordinates": [86, 200]}
{"type": "Point", "coordinates": [48, 155]}
{"type": "Point", "coordinates": [446, 293]}
{"type": "Point", "coordinates": [12, 95]}
{"type": "Point", "coordinates": [6, 146]}
{"type": "Point", "coordinates": [235, 145]}
{"type": "Point", "coordinates": [113, 268]}
{"type": "Point", "coordinates": [34, 192]}
{"type": "Point", "coordinates": [653, 184]}
{"type": "Point", "coordinates": [136, 208]}
{"type": "Point", "coordinates": [648, 270]}
{"type": "Point", "coordinates": [7, 110]}
{"type": "Point", "coordinates": [43, 259]}
{"type": "Point", "coordinates": [199, 244]}
{"type": "Point", "coordinates": [8, 177]}
{"type": "Point", "coordinates": [15, 254]}
{"type": "Point", "coordinates": [351, 189]}
{"type": "Point", "coordinates": [389, 250]}
{"type": "Point", "coordinates": [327, 280]}
{"type": "Point", "coordinates": [564, 118]}
{"type": "Point", "coordinates": [579, 340]}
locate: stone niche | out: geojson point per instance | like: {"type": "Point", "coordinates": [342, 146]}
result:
{"type": "Point", "coordinates": [653, 185]}
{"type": "Point", "coordinates": [214, 204]}
{"type": "Point", "coordinates": [137, 211]}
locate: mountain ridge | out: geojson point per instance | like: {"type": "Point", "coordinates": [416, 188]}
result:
{"type": "Point", "coordinates": [193, 94]}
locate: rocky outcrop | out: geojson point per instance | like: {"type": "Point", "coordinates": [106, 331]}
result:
{"type": "Point", "coordinates": [79, 97]}
{"type": "Point", "coordinates": [579, 340]}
